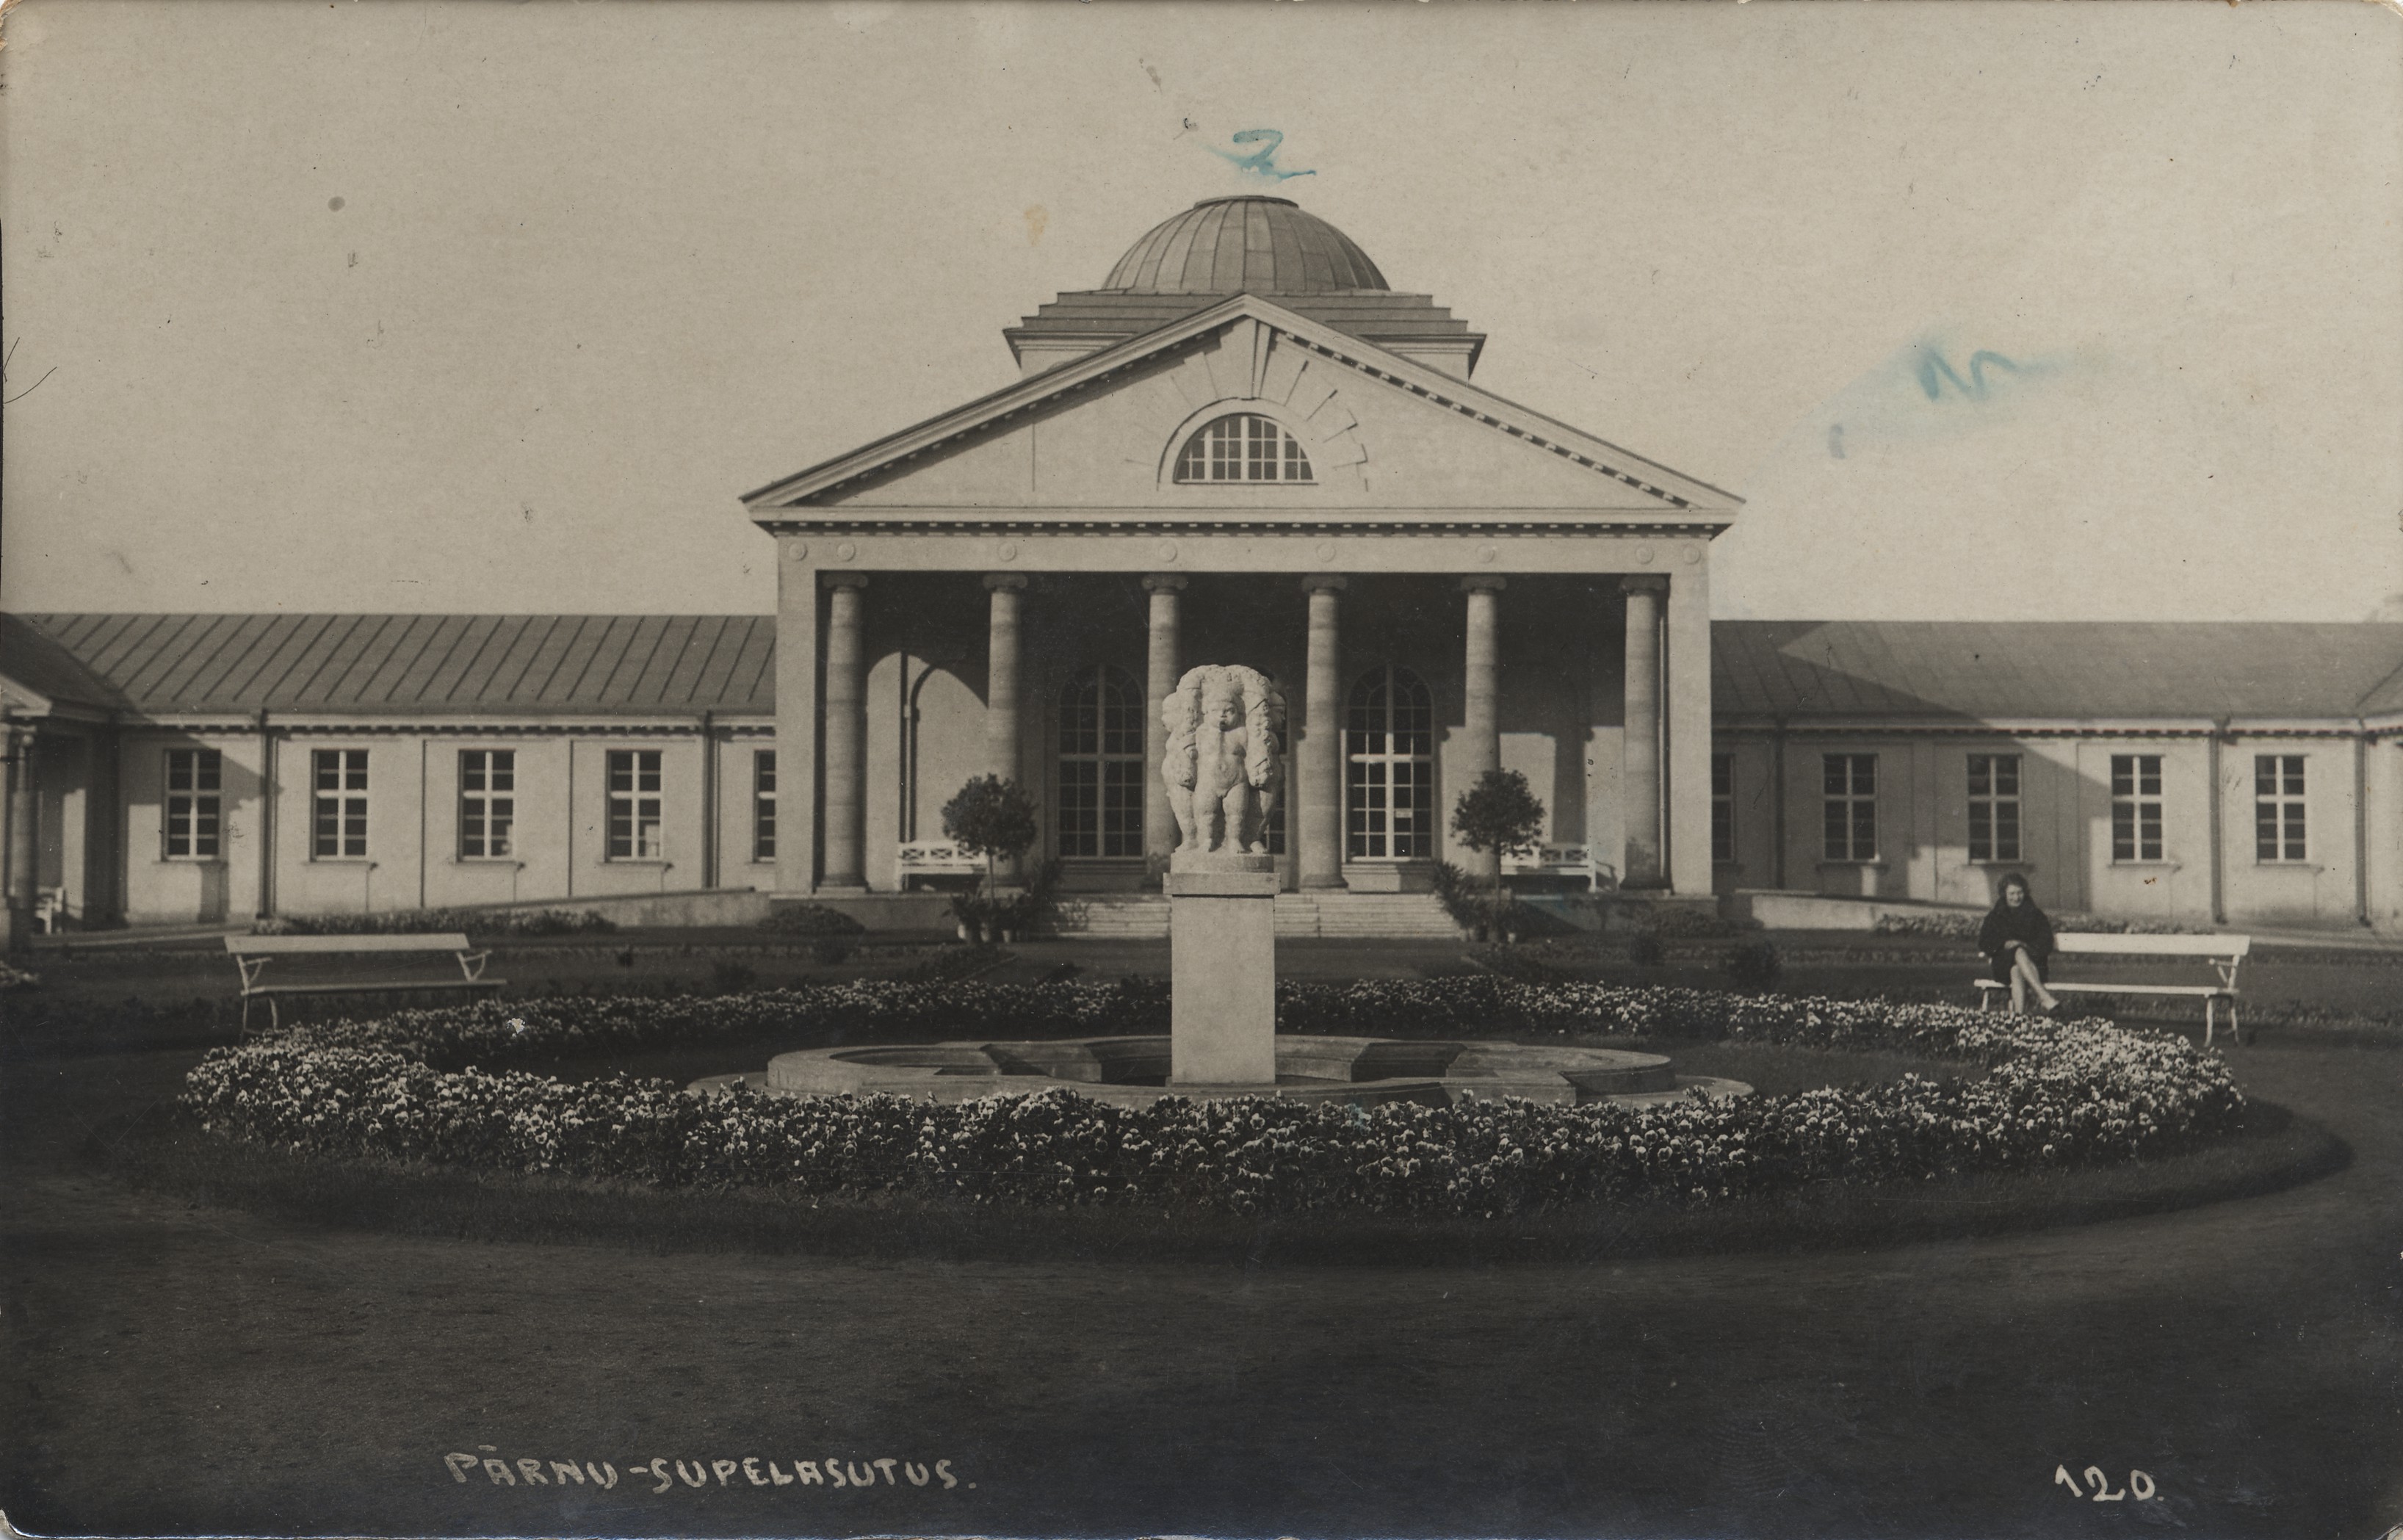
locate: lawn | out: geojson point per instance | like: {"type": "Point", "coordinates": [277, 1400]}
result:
{"type": "Point", "coordinates": [173, 1366]}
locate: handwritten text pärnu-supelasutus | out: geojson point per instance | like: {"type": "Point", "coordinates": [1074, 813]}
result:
{"type": "Point", "coordinates": [664, 1475]}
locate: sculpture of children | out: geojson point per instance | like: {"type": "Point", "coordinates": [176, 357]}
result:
{"type": "Point", "coordinates": [1221, 766]}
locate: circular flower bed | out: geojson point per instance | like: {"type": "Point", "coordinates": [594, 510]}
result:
{"type": "Point", "coordinates": [434, 1085]}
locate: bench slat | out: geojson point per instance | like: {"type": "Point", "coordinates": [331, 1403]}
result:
{"type": "Point", "coordinates": [375, 986]}
{"type": "Point", "coordinates": [2103, 943]}
{"type": "Point", "coordinates": [289, 946]}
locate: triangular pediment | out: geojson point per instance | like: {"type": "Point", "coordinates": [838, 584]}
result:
{"type": "Point", "coordinates": [1381, 432]}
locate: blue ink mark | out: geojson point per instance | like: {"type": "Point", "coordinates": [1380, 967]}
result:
{"type": "Point", "coordinates": [1934, 370]}
{"type": "Point", "coordinates": [1836, 440]}
{"type": "Point", "coordinates": [1259, 162]}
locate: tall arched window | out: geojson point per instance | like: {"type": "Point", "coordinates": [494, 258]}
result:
{"type": "Point", "coordinates": [1101, 764]}
{"type": "Point", "coordinates": [1241, 447]}
{"type": "Point", "coordinates": [1389, 767]}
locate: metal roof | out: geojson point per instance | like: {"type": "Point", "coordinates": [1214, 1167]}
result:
{"type": "Point", "coordinates": [601, 665]}
{"type": "Point", "coordinates": [380, 664]}
{"type": "Point", "coordinates": [2069, 670]}
{"type": "Point", "coordinates": [1232, 245]}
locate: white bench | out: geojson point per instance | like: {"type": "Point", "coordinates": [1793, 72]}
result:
{"type": "Point", "coordinates": [251, 953]}
{"type": "Point", "coordinates": [2225, 954]}
{"type": "Point", "coordinates": [1575, 861]}
{"type": "Point", "coordinates": [937, 858]}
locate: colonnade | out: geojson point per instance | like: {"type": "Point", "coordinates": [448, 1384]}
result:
{"type": "Point", "coordinates": [1318, 727]}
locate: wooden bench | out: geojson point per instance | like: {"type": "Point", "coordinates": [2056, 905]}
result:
{"type": "Point", "coordinates": [2225, 953]}
{"type": "Point", "coordinates": [1572, 861]}
{"type": "Point", "coordinates": [937, 858]}
{"type": "Point", "coordinates": [251, 953]}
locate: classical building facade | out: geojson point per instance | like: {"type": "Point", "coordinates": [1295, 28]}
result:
{"type": "Point", "coordinates": [1245, 448]}
{"type": "Point", "coordinates": [1242, 447]}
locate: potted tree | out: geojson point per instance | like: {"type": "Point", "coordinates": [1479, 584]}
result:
{"type": "Point", "coordinates": [993, 818]}
{"type": "Point", "coordinates": [1502, 814]}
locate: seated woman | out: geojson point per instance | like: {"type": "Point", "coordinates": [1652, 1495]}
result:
{"type": "Point", "coordinates": [2017, 941]}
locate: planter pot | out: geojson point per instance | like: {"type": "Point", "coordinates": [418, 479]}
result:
{"type": "Point", "coordinates": [985, 932]}
{"type": "Point", "coordinates": [1007, 936]}
{"type": "Point", "coordinates": [964, 929]}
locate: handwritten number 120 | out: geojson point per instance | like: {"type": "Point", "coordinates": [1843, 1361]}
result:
{"type": "Point", "coordinates": [2138, 1482]}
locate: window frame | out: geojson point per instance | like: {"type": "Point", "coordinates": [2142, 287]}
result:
{"type": "Point", "coordinates": [1722, 808]}
{"type": "Point", "coordinates": [1994, 800]}
{"type": "Point", "coordinates": [1205, 453]}
{"type": "Point", "coordinates": [2286, 807]}
{"type": "Point", "coordinates": [482, 798]}
{"type": "Point", "coordinates": [1114, 813]}
{"type": "Point", "coordinates": [203, 802]}
{"type": "Point", "coordinates": [347, 799]}
{"type": "Point", "coordinates": [2135, 802]}
{"type": "Point", "coordinates": [635, 799]}
{"type": "Point", "coordinates": [763, 807]}
{"type": "Point", "coordinates": [1422, 816]}
{"type": "Point", "coordinates": [1859, 806]}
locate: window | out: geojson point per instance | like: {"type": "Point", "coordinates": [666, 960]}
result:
{"type": "Point", "coordinates": [2278, 806]}
{"type": "Point", "coordinates": [763, 804]}
{"type": "Point", "coordinates": [1851, 789]}
{"type": "Point", "coordinates": [193, 777]}
{"type": "Point", "coordinates": [2136, 807]}
{"type": "Point", "coordinates": [1242, 447]}
{"type": "Point", "coordinates": [487, 783]}
{"type": "Point", "coordinates": [1389, 767]}
{"type": "Point", "coordinates": [1101, 764]}
{"type": "Point", "coordinates": [339, 822]}
{"type": "Point", "coordinates": [1994, 806]}
{"type": "Point", "coordinates": [634, 804]}
{"type": "Point", "coordinates": [1723, 807]}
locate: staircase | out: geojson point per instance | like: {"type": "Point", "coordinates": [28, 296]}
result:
{"type": "Point", "coordinates": [1144, 916]}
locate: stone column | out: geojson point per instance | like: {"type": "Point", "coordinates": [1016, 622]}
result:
{"type": "Point", "coordinates": [1320, 768]}
{"type": "Point", "coordinates": [1482, 729]}
{"type": "Point", "coordinates": [1003, 744]}
{"type": "Point", "coordinates": [799, 601]}
{"type": "Point", "coordinates": [1160, 834]}
{"type": "Point", "coordinates": [1640, 755]}
{"type": "Point", "coordinates": [21, 827]}
{"type": "Point", "coordinates": [846, 735]}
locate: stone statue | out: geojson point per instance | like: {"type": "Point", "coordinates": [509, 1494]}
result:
{"type": "Point", "coordinates": [1223, 725]}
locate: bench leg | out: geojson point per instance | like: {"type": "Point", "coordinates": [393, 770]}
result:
{"type": "Point", "coordinates": [2209, 1017]}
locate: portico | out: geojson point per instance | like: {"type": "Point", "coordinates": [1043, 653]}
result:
{"type": "Point", "coordinates": [1443, 583]}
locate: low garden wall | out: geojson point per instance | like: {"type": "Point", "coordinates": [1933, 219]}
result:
{"type": "Point", "coordinates": [437, 1086]}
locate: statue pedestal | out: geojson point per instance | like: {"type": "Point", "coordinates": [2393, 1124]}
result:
{"type": "Point", "coordinates": [1222, 969]}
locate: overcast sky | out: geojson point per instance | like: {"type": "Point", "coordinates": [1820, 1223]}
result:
{"type": "Point", "coordinates": [1988, 311]}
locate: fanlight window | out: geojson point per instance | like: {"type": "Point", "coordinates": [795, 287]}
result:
{"type": "Point", "coordinates": [1389, 767]}
{"type": "Point", "coordinates": [1242, 447]}
{"type": "Point", "coordinates": [1101, 764]}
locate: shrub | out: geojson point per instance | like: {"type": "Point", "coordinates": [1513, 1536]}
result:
{"type": "Point", "coordinates": [993, 818]}
{"type": "Point", "coordinates": [1646, 951]}
{"type": "Point", "coordinates": [810, 920]}
{"type": "Point", "coordinates": [728, 977]}
{"type": "Point", "coordinates": [1754, 966]}
{"type": "Point", "coordinates": [1475, 906]}
{"type": "Point", "coordinates": [1499, 813]}
{"type": "Point", "coordinates": [1961, 925]}
{"type": "Point", "coordinates": [408, 1086]}
{"type": "Point", "coordinates": [424, 922]}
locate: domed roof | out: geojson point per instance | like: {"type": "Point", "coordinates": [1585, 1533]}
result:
{"type": "Point", "coordinates": [1233, 245]}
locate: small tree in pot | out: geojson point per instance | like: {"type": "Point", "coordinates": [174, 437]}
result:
{"type": "Point", "coordinates": [1499, 813]}
{"type": "Point", "coordinates": [993, 818]}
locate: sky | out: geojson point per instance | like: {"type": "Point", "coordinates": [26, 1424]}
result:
{"type": "Point", "coordinates": [1997, 311]}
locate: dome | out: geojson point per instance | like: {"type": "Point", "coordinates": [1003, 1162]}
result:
{"type": "Point", "coordinates": [1231, 246]}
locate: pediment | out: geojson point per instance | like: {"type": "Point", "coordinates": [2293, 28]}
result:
{"type": "Point", "coordinates": [1382, 432]}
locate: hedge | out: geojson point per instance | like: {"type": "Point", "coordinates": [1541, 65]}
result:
{"type": "Point", "coordinates": [434, 1085]}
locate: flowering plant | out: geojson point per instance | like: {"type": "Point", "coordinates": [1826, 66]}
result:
{"type": "Point", "coordinates": [434, 1086]}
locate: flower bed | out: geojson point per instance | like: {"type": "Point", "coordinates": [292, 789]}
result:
{"type": "Point", "coordinates": [409, 1085]}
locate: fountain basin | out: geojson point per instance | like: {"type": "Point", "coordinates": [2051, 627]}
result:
{"type": "Point", "coordinates": [1134, 1071]}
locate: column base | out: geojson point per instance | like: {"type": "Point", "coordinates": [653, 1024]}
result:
{"type": "Point", "coordinates": [840, 890]}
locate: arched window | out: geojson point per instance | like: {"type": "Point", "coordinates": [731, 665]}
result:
{"type": "Point", "coordinates": [1389, 767]}
{"type": "Point", "coordinates": [1101, 764]}
{"type": "Point", "coordinates": [1241, 447]}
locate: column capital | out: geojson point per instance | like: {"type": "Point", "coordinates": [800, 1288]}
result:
{"type": "Point", "coordinates": [1479, 582]}
{"type": "Point", "coordinates": [1013, 582]}
{"type": "Point", "coordinates": [846, 580]}
{"type": "Point", "coordinates": [1162, 582]}
{"type": "Point", "coordinates": [1328, 581]}
{"type": "Point", "coordinates": [1644, 583]}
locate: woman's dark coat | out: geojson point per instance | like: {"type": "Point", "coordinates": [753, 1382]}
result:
{"type": "Point", "coordinates": [2025, 924]}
